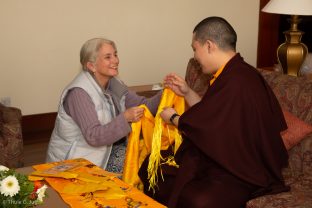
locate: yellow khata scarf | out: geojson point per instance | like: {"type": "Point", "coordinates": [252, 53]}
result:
{"type": "Point", "coordinates": [156, 136]}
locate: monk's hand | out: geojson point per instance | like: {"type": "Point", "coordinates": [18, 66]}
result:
{"type": "Point", "coordinates": [167, 113]}
{"type": "Point", "coordinates": [134, 114]}
{"type": "Point", "coordinates": [177, 84]}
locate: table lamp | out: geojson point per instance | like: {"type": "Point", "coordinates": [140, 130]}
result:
{"type": "Point", "coordinates": [291, 54]}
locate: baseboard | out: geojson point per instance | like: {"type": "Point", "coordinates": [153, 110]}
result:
{"type": "Point", "coordinates": [38, 127]}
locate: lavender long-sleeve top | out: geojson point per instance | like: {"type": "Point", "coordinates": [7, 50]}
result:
{"type": "Point", "coordinates": [78, 104]}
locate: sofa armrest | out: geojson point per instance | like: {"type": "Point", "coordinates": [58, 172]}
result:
{"type": "Point", "coordinates": [11, 141]}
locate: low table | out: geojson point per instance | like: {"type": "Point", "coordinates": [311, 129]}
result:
{"type": "Point", "coordinates": [145, 90]}
{"type": "Point", "coordinates": [80, 183]}
{"type": "Point", "coordinates": [53, 199]}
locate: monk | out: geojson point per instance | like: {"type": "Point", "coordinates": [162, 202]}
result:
{"type": "Point", "coordinates": [232, 150]}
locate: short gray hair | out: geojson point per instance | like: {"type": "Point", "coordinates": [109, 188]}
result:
{"type": "Point", "coordinates": [89, 50]}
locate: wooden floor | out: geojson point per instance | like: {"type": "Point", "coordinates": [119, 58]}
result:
{"type": "Point", "coordinates": [35, 148]}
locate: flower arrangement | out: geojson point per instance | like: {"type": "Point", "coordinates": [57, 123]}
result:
{"type": "Point", "coordinates": [16, 191]}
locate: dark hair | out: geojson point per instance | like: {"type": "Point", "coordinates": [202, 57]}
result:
{"type": "Point", "coordinates": [217, 30]}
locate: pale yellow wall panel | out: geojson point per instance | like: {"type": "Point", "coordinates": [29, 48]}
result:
{"type": "Point", "coordinates": [40, 41]}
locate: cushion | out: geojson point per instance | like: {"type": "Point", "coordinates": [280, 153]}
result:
{"type": "Point", "coordinates": [195, 78]}
{"type": "Point", "coordinates": [297, 130]}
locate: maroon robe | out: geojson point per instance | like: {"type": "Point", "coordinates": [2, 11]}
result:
{"type": "Point", "coordinates": [232, 149]}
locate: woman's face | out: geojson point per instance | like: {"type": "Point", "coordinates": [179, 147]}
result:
{"type": "Point", "coordinates": [106, 64]}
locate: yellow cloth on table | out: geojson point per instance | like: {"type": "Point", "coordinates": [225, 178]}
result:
{"type": "Point", "coordinates": [156, 135]}
{"type": "Point", "coordinates": [92, 187]}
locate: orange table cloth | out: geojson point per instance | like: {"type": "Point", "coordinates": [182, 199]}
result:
{"type": "Point", "coordinates": [80, 183]}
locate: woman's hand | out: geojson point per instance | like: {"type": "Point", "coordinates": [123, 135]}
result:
{"type": "Point", "coordinates": [176, 84]}
{"type": "Point", "coordinates": [134, 114]}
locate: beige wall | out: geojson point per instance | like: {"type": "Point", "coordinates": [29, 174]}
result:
{"type": "Point", "coordinates": [40, 41]}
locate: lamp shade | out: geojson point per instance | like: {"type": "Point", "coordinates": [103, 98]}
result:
{"type": "Point", "coordinates": [290, 7]}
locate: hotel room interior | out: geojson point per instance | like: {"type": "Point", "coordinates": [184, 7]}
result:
{"type": "Point", "coordinates": [40, 43]}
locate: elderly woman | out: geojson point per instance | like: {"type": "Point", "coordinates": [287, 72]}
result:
{"type": "Point", "coordinates": [96, 109]}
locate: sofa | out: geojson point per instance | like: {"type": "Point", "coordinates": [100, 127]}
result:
{"type": "Point", "coordinates": [11, 141]}
{"type": "Point", "coordinates": [295, 97]}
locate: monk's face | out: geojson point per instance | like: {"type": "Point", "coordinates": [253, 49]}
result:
{"type": "Point", "coordinates": [204, 56]}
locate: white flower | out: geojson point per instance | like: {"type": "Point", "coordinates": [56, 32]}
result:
{"type": "Point", "coordinates": [9, 186]}
{"type": "Point", "coordinates": [3, 168]}
{"type": "Point", "coordinates": [41, 192]}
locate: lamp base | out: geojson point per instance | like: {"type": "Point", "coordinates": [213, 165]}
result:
{"type": "Point", "coordinates": [292, 53]}
{"type": "Point", "coordinates": [291, 57]}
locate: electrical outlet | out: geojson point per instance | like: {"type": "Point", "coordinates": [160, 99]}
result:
{"type": "Point", "coordinates": [5, 101]}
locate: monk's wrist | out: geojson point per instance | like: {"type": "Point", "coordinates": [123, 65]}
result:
{"type": "Point", "coordinates": [173, 117]}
